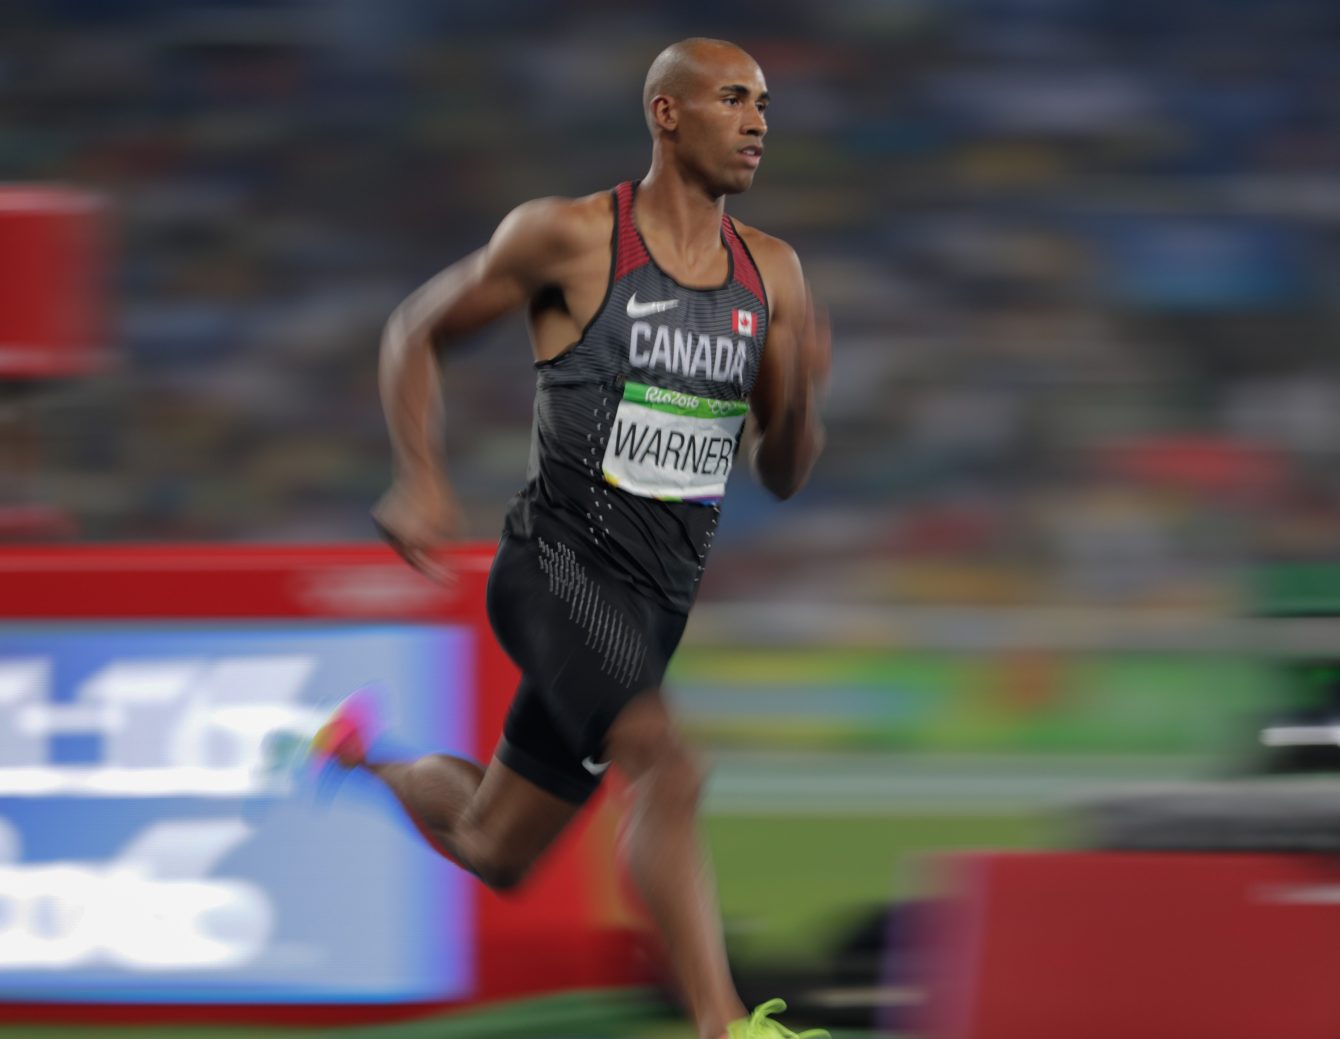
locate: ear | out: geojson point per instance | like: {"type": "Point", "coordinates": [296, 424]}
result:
{"type": "Point", "coordinates": [665, 112]}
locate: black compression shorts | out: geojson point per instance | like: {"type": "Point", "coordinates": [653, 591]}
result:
{"type": "Point", "coordinates": [586, 645]}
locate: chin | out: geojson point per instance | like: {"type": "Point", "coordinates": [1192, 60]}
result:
{"type": "Point", "coordinates": [738, 184]}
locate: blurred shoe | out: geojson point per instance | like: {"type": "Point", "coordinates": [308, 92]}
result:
{"type": "Point", "coordinates": [759, 1025]}
{"type": "Point", "coordinates": [349, 732]}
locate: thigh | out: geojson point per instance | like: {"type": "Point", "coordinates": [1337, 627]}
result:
{"type": "Point", "coordinates": [616, 646]}
{"type": "Point", "coordinates": [516, 818]}
{"type": "Point", "coordinates": [534, 746]}
{"type": "Point", "coordinates": [642, 734]}
{"type": "Point", "coordinates": [587, 644]}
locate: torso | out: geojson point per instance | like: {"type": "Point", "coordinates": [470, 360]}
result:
{"type": "Point", "coordinates": [642, 387]}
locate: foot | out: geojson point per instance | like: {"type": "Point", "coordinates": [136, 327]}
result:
{"type": "Point", "coordinates": [758, 1025]}
{"type": "Point", "coordinates": [349, 732]}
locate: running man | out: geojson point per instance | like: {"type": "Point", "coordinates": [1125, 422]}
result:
{"type": "Point", "coordinates": [660, 328]}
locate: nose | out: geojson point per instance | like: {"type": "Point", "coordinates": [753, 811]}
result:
{"type": "Point", "coordinates": [755, 124]}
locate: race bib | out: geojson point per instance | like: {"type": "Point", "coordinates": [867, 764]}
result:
{"type": "Point", "coordinates": [672, 446]}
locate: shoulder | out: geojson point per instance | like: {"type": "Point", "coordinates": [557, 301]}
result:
{"type": "Point", "coordinates": [560, 225]}
{"type": "Point", "coordinates": [777, 263]}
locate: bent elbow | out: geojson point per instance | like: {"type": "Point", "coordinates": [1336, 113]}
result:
{"type": "Point", "coordinates": [782, 488]}
{"type": "Point", "coordinates": [783, 478]}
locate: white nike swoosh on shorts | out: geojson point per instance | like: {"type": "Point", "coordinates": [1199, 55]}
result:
{"type": "Point", "coordinates": [636, 309]}
{"type": "Point", "coordinates": [596, 768]}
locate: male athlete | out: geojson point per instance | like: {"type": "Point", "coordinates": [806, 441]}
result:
{"type": "Point", "coordinates": [659, 325]}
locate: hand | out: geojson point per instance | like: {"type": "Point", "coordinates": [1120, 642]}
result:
{"type": "Point", "coordinates": [418, 517]}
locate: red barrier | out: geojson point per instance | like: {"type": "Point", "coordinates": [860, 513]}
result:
{"type": "Point", "coordinates": [569, 926]}
{"type": "Point", "coordinates": [53, 282]}
{"type": "Point", "coordinates": [1112, 946]}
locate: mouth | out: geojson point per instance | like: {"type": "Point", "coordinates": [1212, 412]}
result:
{"type": "Point", "coordinates": [753, 154]}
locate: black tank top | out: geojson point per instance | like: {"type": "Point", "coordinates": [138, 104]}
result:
{"type": "Point", "coordinates": [637, 425]}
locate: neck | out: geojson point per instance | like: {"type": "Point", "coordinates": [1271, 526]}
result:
{"type": "Point", "coordinates": [679, 210]}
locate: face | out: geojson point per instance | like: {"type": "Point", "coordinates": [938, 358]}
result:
{"type": "Point", "coordinates": [721, 121]}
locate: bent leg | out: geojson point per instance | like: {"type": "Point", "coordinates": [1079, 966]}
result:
{"type": "Point", "coordinates": [493, 822]}
{"type": "Point", "coordinates": [667, 859]}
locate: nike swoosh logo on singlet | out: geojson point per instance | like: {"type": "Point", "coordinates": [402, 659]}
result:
{"type": "Point", "coordinates": [636, 309]}
{"type": "Point", "coordinates": [596, 768]}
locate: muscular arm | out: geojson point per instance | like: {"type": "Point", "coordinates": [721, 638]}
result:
{"type": "Point", "coordinates": [524, 255]}
{"type": "Point", "coordinates": [501, 277]}
{"type": "Point", "coordinates": [784, 406]}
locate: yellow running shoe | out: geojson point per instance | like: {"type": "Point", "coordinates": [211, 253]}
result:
{"type": "Point", "coordinates": [759, 1026]}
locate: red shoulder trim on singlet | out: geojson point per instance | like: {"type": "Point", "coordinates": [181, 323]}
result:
{"type": "Point", "coordinates": [629, 252]}
{"type": "Point", "coordinates": [746, 271]}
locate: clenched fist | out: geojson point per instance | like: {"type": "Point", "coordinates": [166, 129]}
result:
{"type": "Point", "coordinates": [418, 517]}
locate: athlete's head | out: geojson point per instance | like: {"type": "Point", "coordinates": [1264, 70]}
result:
{"type": "Point", "coordinates": [704, 101]}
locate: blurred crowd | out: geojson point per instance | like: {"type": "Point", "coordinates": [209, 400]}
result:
{"type": "Point", "coordinates": [1080, 258]}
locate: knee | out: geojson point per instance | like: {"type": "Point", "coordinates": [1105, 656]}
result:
{"type": "Point", "coordinates": [675, 780]}
{"type": "Point", "coordinates": [650, 750]}
{"type": "Point", "coordinates": [500, 873]}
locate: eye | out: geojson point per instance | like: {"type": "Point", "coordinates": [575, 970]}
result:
{"type": "Point", "coordinates": [731, 99]}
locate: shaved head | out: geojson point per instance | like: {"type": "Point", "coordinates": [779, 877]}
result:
{"type": "Point", "coordinates": [684, 65]}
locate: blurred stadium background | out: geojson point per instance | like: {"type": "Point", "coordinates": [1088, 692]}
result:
{"type": "Point", "coordinates": [1081, 258]}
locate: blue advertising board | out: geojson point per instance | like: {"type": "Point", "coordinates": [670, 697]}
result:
{"type": "Point", "coordinates": [151, 850]}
